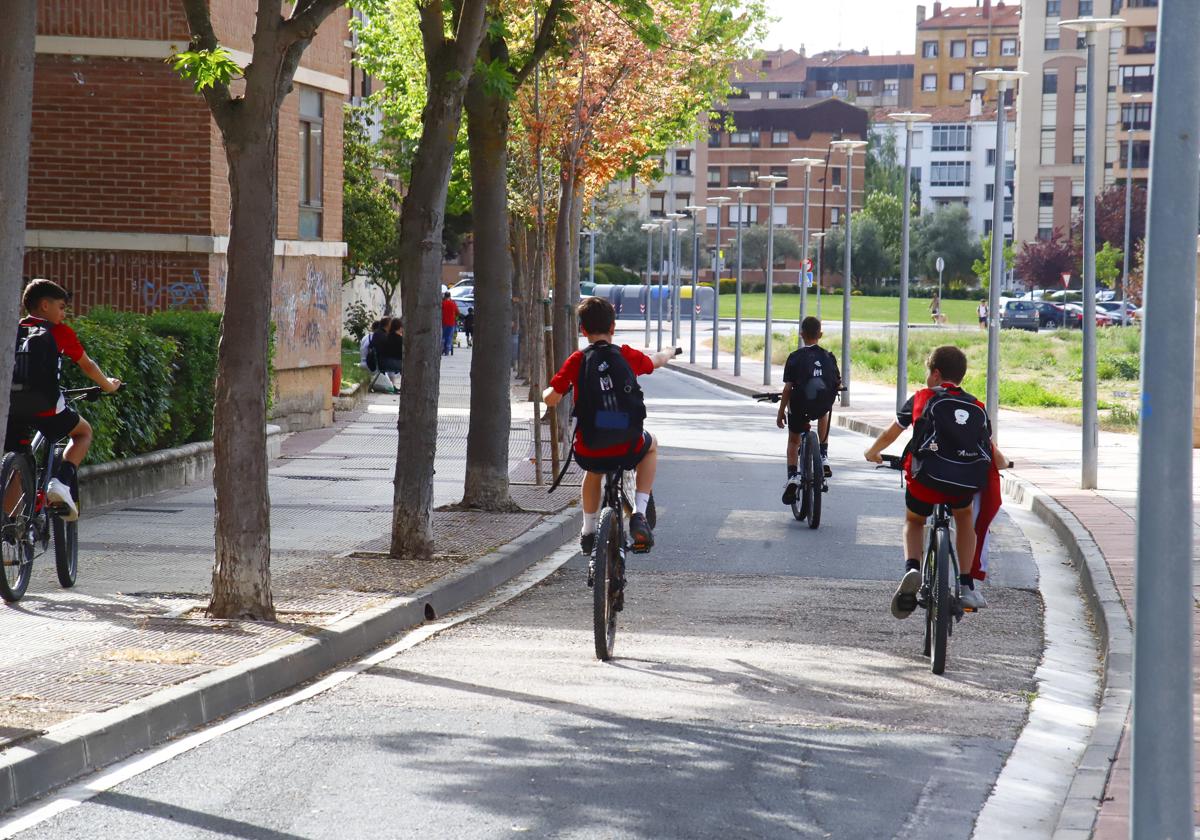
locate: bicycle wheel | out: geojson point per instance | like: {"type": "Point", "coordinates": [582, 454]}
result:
{"type": "Point", "coordinates": [940, 602]}
{"type": "Point", "coordinates": [66, 550]}
{"type": "Point", "coordinates": [816, 479]}
{"type": "Point", "coordinates": [16, 550]}
{"type": "Point", "coordinates": [607, 585]}
{"type": "Point", "coordinates": [800, 505]}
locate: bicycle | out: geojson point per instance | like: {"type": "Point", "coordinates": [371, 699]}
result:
{"type": "Point", "coordinates": [811, 477]}
{"type": "Point", "coordinates": [27, 518]}
{"type": "Point", "coordinates": [606, 568]}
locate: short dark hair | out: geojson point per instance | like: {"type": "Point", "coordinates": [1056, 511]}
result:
{"type": "Point", "coordinates": [384, 323]}
{"type": "Point", "coordinates": [950, 362]}
{"type": "Point", "coordinates": [445, 296]}
{"type": "Point", "coordinates": [42, 289]}
{"type": "Point", "coordinates": [810, 328]}
{"type": "Point", "coordinates": [596, 316]}
{"type": "Point", "coordinates": [375, 325]}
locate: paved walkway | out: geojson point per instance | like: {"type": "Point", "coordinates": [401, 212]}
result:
{"type": "Point", "coordinates": [1048, 455]}
{"type": "Point", "coordinates": [134, 623]}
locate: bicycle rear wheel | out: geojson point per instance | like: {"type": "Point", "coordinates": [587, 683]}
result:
{"type": "Point", "coordinates": [940, 601]}
{"type": "Point", "coordinates": [607, 586]}
{"type": "Point", "coordinates": [66, 550]}
{"type": "Point", "coordinates": [816, 479]}
{"type": "Point", "coordinates": [16, 550]}
{"type": "Point", "coordinates": [801, 504]}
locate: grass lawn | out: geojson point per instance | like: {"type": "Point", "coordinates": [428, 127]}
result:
{"type": "Point", "coordinates": [862, 308]}
{"type": "Point", "coordinates": [1040, 372]}
{"type": "Point", "coordinates": [351, 372]}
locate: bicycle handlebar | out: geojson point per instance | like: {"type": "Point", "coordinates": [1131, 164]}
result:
{"type": "Point", "coordinates": [770, 396]}
{"type": "Point", "coordinates": [891, 462]}
{"type": "Point", "coordinates": [85, 394]}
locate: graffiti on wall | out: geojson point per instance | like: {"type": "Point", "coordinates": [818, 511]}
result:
{"type": "Point", "coordinates": [175, 294]}
{"type": "Point", "coordinates": [308, 330]}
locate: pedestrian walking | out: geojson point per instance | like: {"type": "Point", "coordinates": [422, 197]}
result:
{"type": "Point", "coordinates": [983, 314]}
{"type": "Point", "coordinates": [468, 324]}
{"type": "Point", "coordinates": [449, 323]}
{"type": "Point", "coordinates": [935, 309]}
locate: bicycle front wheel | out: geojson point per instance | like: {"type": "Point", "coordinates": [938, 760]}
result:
{"type": "Point", "coordinates": [940, 601]}
{"type": "Point", "coordinates": [816, 479]}
{"type": "Point", "coordinates": [16, 550]}
{"type": "Point", "coordinates": [66, 550]}
{"type": "Point", "coordinates": [607, 585]}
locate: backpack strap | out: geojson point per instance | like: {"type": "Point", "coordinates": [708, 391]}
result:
{"type": "Point", "coordinates": [566, 463]}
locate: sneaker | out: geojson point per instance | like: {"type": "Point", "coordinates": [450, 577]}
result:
{"type": "Point", "coordinates": [57, 493]}
{"type": "Point", "coordinates": [825, 464]}
{"type": "Point", "coordinates": [972, 599]}
{"type": "Point", "coordinates": [587, 544]}
{"type": "Point", "coordinates": [905, 599]}
{"type": "Point", "coordinates": [639, 529]}
{"type": "Point", "coordinates": [789, 491]}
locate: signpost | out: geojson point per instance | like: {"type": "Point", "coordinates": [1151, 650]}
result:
{"type": "Point", "coordinates": [1066, 279]}
{"type": "Point", "coordinates": [940, 265]}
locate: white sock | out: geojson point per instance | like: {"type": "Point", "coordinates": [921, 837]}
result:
{"type": "Point", "coordinates": [642, 501]}
{"type": "Point", "coordinates": [590, 520]}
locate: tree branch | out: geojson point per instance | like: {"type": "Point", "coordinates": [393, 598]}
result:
{"type": "Point", "coordinates": [542, 44]}
{"type": "Point", "coordinates": [468, 35]}
{"type": "Point", "coordinates": [307, 17]}
{"type": "Point", "coordinates": [205, 38]}
{"type": "Point", "coordinates": [433, 30]}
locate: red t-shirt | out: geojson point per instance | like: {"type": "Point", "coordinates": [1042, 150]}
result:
{"type": "Point", "coordinates": [568, 378]}
{"type": "Point", "coordinates": [449, 313]}
{"type": "Point", "coordinates": [68, 345]}
{"type": "Point", "coordinates": [908, 415]}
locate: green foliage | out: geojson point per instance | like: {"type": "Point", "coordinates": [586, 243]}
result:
{"type": "Point", "coordinates": [982, 267]}
{"type": "Point", "coordinates": [206, 68]}
{"type": "Point", "coordinates": [945, 233]}
{"type": "Point", "coordinates": [621, 241]}
{"type": "Point", "coordinates": [196, 336]}
{"type": "Point", "coordinates": [358, 321]}
{"type": "Point", "coordinates": [1108, 265]}
{"type": "Point", "coordinates": [885, 170]}
{"type": "Point", "coordinates": [370, 210]}
{"type": "Point", "coordinates": [869, 260]}
{"type": "Point", "coordinates": [754, 246]}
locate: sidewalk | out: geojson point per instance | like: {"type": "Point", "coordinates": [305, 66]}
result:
{"type": "Point", "coordinates": [134, 625]}
{"type": "Point", "coordinates": [1047, 456]}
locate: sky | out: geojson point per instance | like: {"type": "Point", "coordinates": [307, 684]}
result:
{"type": "Point", "coordinates": [884, 26]}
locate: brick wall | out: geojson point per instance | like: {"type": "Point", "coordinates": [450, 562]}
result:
{"type": "Point", "coordinates": [289, 167]}
{"type": "Point", "coordinates": [128, 280]}
{"type": "Point", "coordinates": [155, 20]}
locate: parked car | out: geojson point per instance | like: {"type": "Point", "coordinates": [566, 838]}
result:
{"type": "Point", "coordinates": [1113, 307]}
{"type": "Point", "coordinates": [1054, 315]}
{"type": "Point", "coordinates": [1019, 315]}
{"type": "Point", "coordinates": [1103, 319]}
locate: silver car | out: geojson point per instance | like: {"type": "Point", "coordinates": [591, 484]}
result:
{"type": "Point", "coordinates": [1019, 315]}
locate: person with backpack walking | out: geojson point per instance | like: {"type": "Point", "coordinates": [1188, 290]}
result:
{"type": "Point", "coordinates": [37, 401]}
{"type": "Point", "coordinates": [810, 384]}
{"type": "Point", "coordinates": [950, 459]}
{"type": "Point", "coordinates": [609, 412]}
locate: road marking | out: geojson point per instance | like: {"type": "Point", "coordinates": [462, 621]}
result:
{"type": "Point", "coordinates": [754, 525]}
{"type": "Point", "coordinates": [23, 819]}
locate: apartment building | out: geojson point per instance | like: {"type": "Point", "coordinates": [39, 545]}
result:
{"type": "Point", "coordinates": [954, 158]}
{"type": "Point", "coordinates": [869, 81]}
{"type": "Point", "coordinates": [128, 191]}
{"type": "Point", "coordinates": [954, 42]}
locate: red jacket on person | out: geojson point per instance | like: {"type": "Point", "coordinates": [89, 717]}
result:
{"type": "Point", "coordinates": [449, 312]}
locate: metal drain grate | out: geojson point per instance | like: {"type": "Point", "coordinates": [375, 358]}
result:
{"type": "Point", "coordinates": [151, 510]}
{"type": "Point", "coordinates": [323, 477]}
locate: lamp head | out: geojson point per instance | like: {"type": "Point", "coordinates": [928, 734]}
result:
{"type": "Point", "coordinates": [1001, 76]}
{"type": "Point", "coordinates": [1089, 26]}
{"type": "Point", "coordinates": [908, 117]}
{"type": "Point", "coordinates": [719, 199]}
{"type": "Point", "coordinates": [771, 180]}
{"type": "Point", "coordinates": [807, 163]}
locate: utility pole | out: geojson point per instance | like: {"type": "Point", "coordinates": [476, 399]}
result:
{"type": "Point", "coordinates": [737, 311]}
{"type": "Point", "coordinates": [694, 209]}
{"type": "Point", "coordinates": [771, 181]}
{"type": "Point", "coordinates": [808, 164]}
{"type": "Point", "coordinates": [719, 201]}
{"type": "Point", "coordinates": [1128, 207]}
{"type": "Point", "coordinates": [649, 229]}
{"type": "Point", "coordinates": [848, 147]}
{"type": "Point", "coordinates": [909, 119]}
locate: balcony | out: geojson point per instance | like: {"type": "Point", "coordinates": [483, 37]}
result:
{"type": "Point", "coordinates": [1142, 49]}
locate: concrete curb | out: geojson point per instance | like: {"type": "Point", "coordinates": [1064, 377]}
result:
{"type": "Point", "coordinates": [87, 744]}
{"type": "Point", "coordinates": [715, 380]}
{"type": "Point", "coordinates": [1082, 807]}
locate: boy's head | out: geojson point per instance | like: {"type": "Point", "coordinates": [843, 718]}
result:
{"type": "Point", "coordinates": [596, 317]}
{"type": "Point", "coordinates": [947, 365]}
{"type": "Point", "coordinates": [46, 299]}
{"type": "Point", "coordinates": [375, 325]}
{"type": "Point", "coordinates": [445, 296]}
{"type": "Point", "coordinates": [810, 330]}
{"type": "Point", "coordinates": [470, 310]}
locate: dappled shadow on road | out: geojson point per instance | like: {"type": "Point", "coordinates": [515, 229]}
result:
{"type": "Point", "coordinates": [171, 813]}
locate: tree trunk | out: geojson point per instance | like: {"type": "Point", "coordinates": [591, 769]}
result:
{"type": "Point", "coordinates": [521, 292]}
{"type": "Point", "coordinates": [241, 582]}
{"type": "Point", "coordinates": [565, 331]}
{"type": "Point", "coordinates": [486, 485]}
{"type": "Point", "coordinates": [16, 113]}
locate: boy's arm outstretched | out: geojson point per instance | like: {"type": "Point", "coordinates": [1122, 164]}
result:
{"type": "Point", "coordinates": [92, 371]}
{"type": "Point", "coordinates": [883, 442]}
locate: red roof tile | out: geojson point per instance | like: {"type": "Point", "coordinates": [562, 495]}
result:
{"type": "Point", "coordinates": [961, 17]}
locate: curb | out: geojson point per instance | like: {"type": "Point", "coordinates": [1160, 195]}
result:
{"type": "Point", "coordinates": [714, 380]}
{"type": "Point", "coordinates": [1082, 807]}
{"type": "Point", "coordinates": [82, 746]}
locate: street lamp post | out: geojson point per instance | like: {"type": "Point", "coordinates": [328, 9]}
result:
{"type": "Point", "coordinates": [719, 201]}
{"type": "Point", "coordinates": [909, 119]}
{"type": "Point", "coordinates": [820, 236]}
{"type": "Point", "coordinates": [737, 288]}
{"type": "Point", "coordinates": [848, 147]}
{"type": "Point", "coordinates": [649, 229]}
{"type": "Point", "coordinates": [808, 164]}
{"type": "Point", "coordinates": [673, 277]}
{"type": "Point", "coordinates": [1091, 421]}
{"type": "Point", "coordinates": [694, 209]}
{"type": "Point", "coordinates": [1002, 78]}
{"type": "Point", "coordinates": [1128, 208]}
{"type": "Point", "coordinates": [662, 267]}
{"type": "Point", "coordinates": [591, 235]}
{"type": "Point", "coordinates": [771, 181]}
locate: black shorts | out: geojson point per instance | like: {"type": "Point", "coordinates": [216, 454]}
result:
{"type": "Point", "coordinates": [612, 463]}
{"type": "Point", "coordinates": [799, 421]}
{"type": "Point", "coordinates": [19, 433]}
{"type": "Point", "coordinates": [925, 509]}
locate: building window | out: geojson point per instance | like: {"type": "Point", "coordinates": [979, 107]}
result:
{"type": "Point", "coordinates": [1044, 234]}
{"type": "Point", "coordinates": [958, 49]}
{"type": "Point", "coordinates": [743, 176]}
{"type": "Point", "coordinates": [683, 163]}
{"type": "Point", "coordinates": [1136, 116]}
{"type": "Point", "coordinates": [979, 47]}
{"type": "Point", "coordinates": [744, 138]}
{"type": "Point", "coordinates": [1046, 196]}
{"type": "Point", "coordinates": [951, 138]}
{"type": "Point", "coordinates": [1047, 149]}
{"type": "Point", "coordinates": [958, 81]}
{"type": "Point", "coordinates": [916, 176]}
{"type": "Point", "coordinates": [865, 87]}
{"type": "Point", "coordinates": [711, 216]}
{"type": "Point", "coordinates": [657, 204]}
{"type": "Point", "coordinates": [929, 49]}
{"type": "Point", "coordinates": [714, 138]}
{"type": "Point", "coordinates": [1050, 81]}
{"type": "Point", "coordinates": [891, 87]}
{"type": "Point", "coordinates": [1139, 79]}
{"type": "Point", "coordinates": [1053, 8]}
{"type": "Point", "coordinates": [780, 138]}
{"type": "Point", "coordinates": [312, 162]}
{"type": "Point", "coordinates": [989, 192]}
{"type": "Point", "coordinates": [918, 139]}
{"type": "Point", "coordinates": [949, 174]}
{"type": "Point", "coordinates": [991, 157]}
{"type": "Point", "coordinates": [780, 218]}
{"type": "Point", "coordinates": [780, 172]}
{"type": "Point", "coordinates": [682, 200]}
{"type": "Point", "coordinates": [1051, 45]}
{"type": "Point", "coordinates": [714, 176]}
{"type": "Point", "coordinates": [1141, 154]}
{"type": "Point", "coordinates": [835, 216]}
{"type": "Point", "coordinates": [929, 82]}
{"type": "Point", "coordinates": [1008, 46]}
{"type": "Point", "coordinates": [836, 174]}
{"type": "Point", "coordinates": [987, 228]}
{"type": "Point", "coordinates": [748, 215]}
{"type": "Point", "coordinates": [1085, 8]}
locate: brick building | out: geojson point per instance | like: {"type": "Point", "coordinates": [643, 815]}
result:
{"type": "Point", "coordinates": [128, 191]}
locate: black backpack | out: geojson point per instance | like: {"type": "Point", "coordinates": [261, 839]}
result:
{"type": "Point", "coordinates": [816, 381]}
{"type": "Point", "coordinates": [35, 373]}
{"type": "Point", "coordinates": [951, 444]}
{"type": "Point", "coordinates": [609, 406]}
{"type": "Point", "coordinates": [372, 354]}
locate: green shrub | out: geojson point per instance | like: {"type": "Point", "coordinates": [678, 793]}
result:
{"type": "Point", "coordinates": [196, 334]}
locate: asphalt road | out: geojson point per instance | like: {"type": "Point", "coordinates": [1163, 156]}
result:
{"type": "Point", "coordinates": [761, 687]}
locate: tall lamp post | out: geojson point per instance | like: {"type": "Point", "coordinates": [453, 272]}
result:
{"type": "Point", "coordinates": [737, 288]}
{"type": "Point", "coordinates": [1091, 421]}
{"type": "Point", "coordinates": [649, 229]}
{"type": "Point", "coordinates": [819, 236]}
{"type": "Point", "coordinates": [808, 164]}
{"type": "Point", "coordinates": [847, 147]}
{"type": "Point", "coordinates": [719, 201]}
{"type": "Point", "coordinates": [909, 119]}
{"type": "Point", "coordinates": [771, 181]}
{"type": "Point", "coordinates": [673, 277]}
{"type": "Point", "coordinates": [1002, 78]}
{"type": "Point", "coordinates": [663, 225]}
{"type": "Point", "coordinates": [591, 235]}
{"type": "Point", "coordinates": [1128, 208]}
{"type": "Point", "coordinates": [695, 210]}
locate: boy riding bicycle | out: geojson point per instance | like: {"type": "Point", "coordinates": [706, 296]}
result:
{"type": "Point", "coordinates": [609, 410]}
{"type": "Point", "coordinates": [965, 424]}
{"type": "Point", "coordinates": [810, 382]}
{"type": "Point", "coordinates": [37, 401]}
